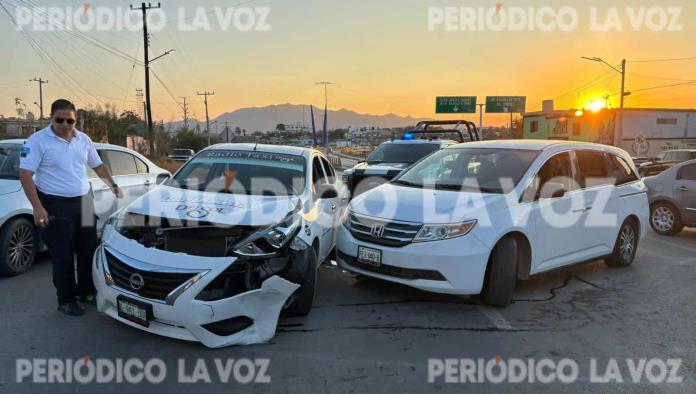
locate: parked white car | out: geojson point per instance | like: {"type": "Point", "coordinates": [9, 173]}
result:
{"type": "Point", "coordinates": [475, 218]}
{"type": "Point", "coordinates": [215, 253]}
{"type": "Point", "coordinates": [19, 240]}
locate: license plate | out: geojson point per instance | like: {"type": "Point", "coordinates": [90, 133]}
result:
{"type": "Point", "coordinates": [135, 311]}
{"type": "Point", "coordinates": [369, 256]}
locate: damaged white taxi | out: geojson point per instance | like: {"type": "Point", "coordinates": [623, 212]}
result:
{"type": "Point", "coordinates": [216, 253]}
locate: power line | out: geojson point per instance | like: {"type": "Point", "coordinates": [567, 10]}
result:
{"type": "Point", "coordinates": [664, 86]}
{"type": "Point", "coordinates": [661, 78]}
{"type": "Point", "coordinates": [586, 84]}
{"type": "Point", "coordinates": [664, 60]}
{"type": "Point", "coordinates": [50, 62]}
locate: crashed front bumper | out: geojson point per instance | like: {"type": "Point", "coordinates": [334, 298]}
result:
{"type": "Point", "coordinates": [180, 315]}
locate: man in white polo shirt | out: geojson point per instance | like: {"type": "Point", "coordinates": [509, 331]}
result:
{"type": "Point", "coordinates": [53, 174]}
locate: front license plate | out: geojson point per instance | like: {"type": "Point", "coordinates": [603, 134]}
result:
{"type": "Point", "coordinates": [369, 256]}
{"type": "Point", "coordinates": [135, 311]}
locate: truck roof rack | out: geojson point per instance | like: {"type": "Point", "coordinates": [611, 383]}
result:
{"type": "Point", "coordinates": [423, 128]}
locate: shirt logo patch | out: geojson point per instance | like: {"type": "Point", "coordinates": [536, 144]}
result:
{"type": "Point", "coordinates": [24, 151]}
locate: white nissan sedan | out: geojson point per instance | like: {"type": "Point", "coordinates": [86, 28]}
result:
{"type": "Point", "coordinates": [218, 251]}
{"type": "Point", "coordinates": [474, 218]}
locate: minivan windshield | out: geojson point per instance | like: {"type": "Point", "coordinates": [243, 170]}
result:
{"type": "Point", "coordinates": [243, 172]}
{"type": "Point", "coordinates": [484, 170]}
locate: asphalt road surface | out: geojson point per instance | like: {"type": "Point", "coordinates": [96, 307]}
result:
{"type": "Point", "coordinates": [366, 335]}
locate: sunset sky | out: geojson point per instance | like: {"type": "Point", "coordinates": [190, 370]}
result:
{"type": "Point", "coordinates": [380, 54]}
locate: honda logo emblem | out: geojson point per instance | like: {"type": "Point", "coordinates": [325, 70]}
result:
{"type": "Point", "coordinates": [377, 230]}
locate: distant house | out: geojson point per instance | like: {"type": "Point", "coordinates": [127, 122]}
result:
{"type": "Point", "coordinates": [645, 131]}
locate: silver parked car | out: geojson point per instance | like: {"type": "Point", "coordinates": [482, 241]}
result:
{"type": "Point", "coordinates": [672, 196]}
{"type": "Point", "coordinates": [20, 241]}
{"type": "Point", "coordinates": [181, 154]}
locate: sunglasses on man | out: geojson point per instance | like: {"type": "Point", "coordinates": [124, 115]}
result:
{"type": "Point", "coordinates": [63, 120]}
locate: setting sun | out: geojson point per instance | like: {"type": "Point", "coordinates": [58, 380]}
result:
{"type": "Point", "coordinates": [597, 105]}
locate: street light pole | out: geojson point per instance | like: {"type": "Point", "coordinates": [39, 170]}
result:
{"type": "Point", "coordinates": [618, 134]}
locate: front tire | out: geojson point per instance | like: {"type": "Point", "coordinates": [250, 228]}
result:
{"type": "Point", "coordinates": [625, 247]}
{"type": "Point", "coordinates": [501, 275]}
{"type": "Point", "coordinates": [17, 247]}
{"type": "Point", "coordinates": [665, 219]}
{"type": "Point", "coordinates": [304, 296]}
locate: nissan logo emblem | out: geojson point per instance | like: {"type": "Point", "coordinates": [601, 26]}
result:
{"type": "Point", "coordinates": [136, 281]}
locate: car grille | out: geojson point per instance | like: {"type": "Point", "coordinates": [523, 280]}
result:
{"type": "Point", "coordinates": [390, 270]}
{"type": "Point", "coordinates": [393, 234]}
{"type": "Point", "coordinates": [157, 285]}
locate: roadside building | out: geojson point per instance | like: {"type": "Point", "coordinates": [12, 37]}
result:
{"type": "Point", "coordinates": [646, 131]}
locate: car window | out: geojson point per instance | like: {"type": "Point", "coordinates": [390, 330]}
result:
{"type": "Point", "coordinates": [688, 173]}
{"type": "Point", "coordinates": [141, 166]}
{"type": "Point", "coordinates": [484, 170]}
{"type": "Point", "coordinates": [557, 169]}
{"type": "Point", "coordinates": [120, 163]}
{"type": "Point", "coordinates": [621, 170]}
{"type": "Point", "coordinates": [90, 171]}
{"type": "Point", "coordinates": [401, 153]}
{"type": "Point", "coordinates": [9, 161]}
{"type": "Point", "coordinates": [243, 172]}
{"type": "Point", "coordinates": [328, 168]}
{"type": "Point", "coordinates": [593, 169]}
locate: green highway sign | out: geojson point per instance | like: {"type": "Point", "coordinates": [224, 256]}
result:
{"type": "Point", "coordinates": [455, 105]}
{"type": "Point", "coordinates": [505, 104]}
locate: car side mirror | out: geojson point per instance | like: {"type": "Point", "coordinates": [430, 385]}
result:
{"type": "Point", "coordinates": [327, 191]}
{"type": "Point", "coordinates": [552, 190]}
{"type": "Point", "coordinates": [161, 178]}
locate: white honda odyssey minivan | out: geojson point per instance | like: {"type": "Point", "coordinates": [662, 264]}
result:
{"type": "Point", "coordinates": [474, 218]}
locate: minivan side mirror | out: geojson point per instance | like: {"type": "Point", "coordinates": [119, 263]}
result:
{"type": "Point", "coordinates": [161, 178]}
{"type": "Point", "coordinates": [327, 191]}
{"type": "Point", "coordinates": [552, 190]}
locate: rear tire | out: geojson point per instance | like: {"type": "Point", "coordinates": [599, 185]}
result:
{"type": "Point", "coordinates": [501, 275]}
{"type": "Point", "coordinates": [304, 296]}
{"type": "Point", "coordinates": [626, 245]}
{"type": "Point", "coordinates": [665, 219]}
{"type": "Point", "coordinates": [17, 247]}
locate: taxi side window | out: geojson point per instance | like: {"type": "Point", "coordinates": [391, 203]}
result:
{"type": "Point", "coordinates": [318, 176]}
{"type": "Point", "coordinates": [120, 163]}
{"type": "Point", "coordinates": [330, 174]}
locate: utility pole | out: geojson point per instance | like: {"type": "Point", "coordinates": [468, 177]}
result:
{"type": "Point", "coordinates": [618, 134]}
{"type": "Point", "coordinates": [184, 109]}
{"type": "Point", "coordinates": [41, 82]}
{"type": "Point", "coordinates": [207, 119]}
{"type": "Point", "coordinates": [148, 109]}
{"type": "Point", "coordinates": [481, 120]}
{"type": "Point", "coordinates": [227, 132]}
{"type": "Point", "coordinates": [140, 104]}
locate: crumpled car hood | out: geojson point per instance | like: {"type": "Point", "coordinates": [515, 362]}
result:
{"type": "Point", "coordinates": [228, 209]}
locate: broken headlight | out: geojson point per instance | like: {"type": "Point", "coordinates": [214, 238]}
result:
{"type": "Point", "coordinates": [271, 240]}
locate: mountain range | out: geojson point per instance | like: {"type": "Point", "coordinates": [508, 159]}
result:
{"type": "Point", "coordinates": [266, 118]}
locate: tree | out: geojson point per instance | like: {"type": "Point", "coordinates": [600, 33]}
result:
{"type": "Point", "coordinates": [187, 138]}
{"type": "Point", "coordinates": [280, 127]}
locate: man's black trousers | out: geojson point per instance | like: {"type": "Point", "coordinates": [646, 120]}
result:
{"type": "Point", "coordinates": [71, 238]}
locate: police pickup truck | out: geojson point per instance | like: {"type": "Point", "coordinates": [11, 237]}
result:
{"type": "Point", "coordinates": [392, 157]}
